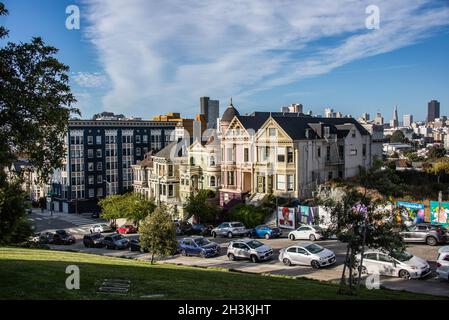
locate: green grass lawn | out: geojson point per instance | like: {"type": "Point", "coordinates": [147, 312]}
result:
{"type": "Point", "coordinates": [40, 274]}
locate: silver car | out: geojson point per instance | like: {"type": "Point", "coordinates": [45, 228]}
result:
{"type": "Point", "coordinates": [307, 253]}
{"type": "Point", "coordinates": [253, 250]}
{"type": "Point", "coordinates": [230, 229]}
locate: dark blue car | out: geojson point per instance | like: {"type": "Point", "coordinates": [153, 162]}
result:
{"type": "Point", "coordinates": [201, 246]}
{"type": "Point", "coordinates": [266, 232]}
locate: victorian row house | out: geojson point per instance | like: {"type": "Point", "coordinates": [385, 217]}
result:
{"type": "Point", "coordinates": [252, 156]}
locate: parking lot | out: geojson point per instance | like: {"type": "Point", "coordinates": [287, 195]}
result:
{"type": "Point", "coordinates": [429, 285]}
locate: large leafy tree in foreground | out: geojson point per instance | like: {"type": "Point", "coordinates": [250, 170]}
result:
{"type": "Point", "coordinates": [35, 106]}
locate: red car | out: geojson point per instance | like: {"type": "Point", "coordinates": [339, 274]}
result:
{"type": "Point", "coordinates": [127, 228]}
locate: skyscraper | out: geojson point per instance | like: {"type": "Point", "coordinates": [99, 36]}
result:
{"type": "Point", "coordinates": [379, 119]}
{"type": "Point", "coordinates": [433, 110]}
{"type": "Point", "coordinates": [394, 123]}
{"type": "Point", "coordinates": [408, 120]}
{"type": "Point", "coordinates": [211, 111]}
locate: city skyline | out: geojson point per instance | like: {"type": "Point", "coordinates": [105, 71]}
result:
{"type": "Point", "coordinates": [323, 63]}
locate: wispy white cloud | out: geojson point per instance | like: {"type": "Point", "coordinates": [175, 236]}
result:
{"type": "Point", "coordinates": [89, 80]}
{"type": "Point", "coordinates": [163, 55]}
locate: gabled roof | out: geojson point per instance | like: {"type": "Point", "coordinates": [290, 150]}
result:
{"type": "Point", "coordinates": [254, 121]}
{"type": "Point", "coordinates": [168, 151]}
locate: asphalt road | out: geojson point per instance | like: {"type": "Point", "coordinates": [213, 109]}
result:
{"type": "Point", "coordinates": [79, 225]}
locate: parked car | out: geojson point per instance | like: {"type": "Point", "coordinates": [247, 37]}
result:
{"type": "Point", "coordinates": [93, 240]}
{"type": "Point", "coordinates": [198, 229]}
{"type": "Point", "coordinates": [306, 232]}
{"type": "Point", "coordinates": [403, 265]}
{"type": "Point", "coordinates": [251, 249]}
{"type": "Point", "coordinates": [307, 253]}
{"type": "Point", "coordinates": [443, 272]}
{"type": "Point", "coordinates": [443, 257]}
{"type": "Point", "coordinates": [198, 246]}
{"type": "Point", "coordinates": [116, 241]}
{"type": "Point", "coordinates": [103, 227]}
{"type": "Point", "coordinates": [62, 237]}
{"type": "Point", "coordinates": [134, 245]}
{"type": "Point", "coordinates": [266, 232]}
{"type": "Point", "coordinates": [43, 238]}
{"type": "Point", "coordinates": [230, 229]}
{"type": "Point", "coordinates": [432, 234]}
{"type": "Point", "coordinates": [127, 228]}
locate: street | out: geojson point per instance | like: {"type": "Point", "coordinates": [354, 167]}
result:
{"type": "Point", "coordinates": [80, 225]}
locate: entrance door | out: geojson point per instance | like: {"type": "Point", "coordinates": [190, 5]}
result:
{"type": "Point", "coordinates": [260, 184]}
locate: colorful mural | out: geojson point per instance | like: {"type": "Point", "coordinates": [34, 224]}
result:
{"type": "Point", "coordinates": [306, 214]}
{"type": "Point", "coordinates": [413, 213]}
{"type": "Point", "coordinates": [437, 215]}
{"type": "Point", "coordinates": [286, 217]}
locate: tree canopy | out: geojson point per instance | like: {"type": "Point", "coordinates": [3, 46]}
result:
{"type": "Point", "coordinates": [251, 216]}
{"type": "Point", "coordinates": [198, 207]}
{"type": "Point", "coordinates": [131, 206]}
{"type": "Point", "coordinates": [439, 167]}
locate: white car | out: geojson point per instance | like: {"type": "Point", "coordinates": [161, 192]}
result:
{"type": "Point", "coordinates": [443, 257]}
{"type": "Point", "coordinates": [443, 272]}
{"type": "Point", "coordinates": [403, 265]}
{"type": "Point", "coordinates": [100, 228]}
{"type": "Point", "coordinates": [307, 253]}
{"type": "Point", "coordinates": [306, 232]}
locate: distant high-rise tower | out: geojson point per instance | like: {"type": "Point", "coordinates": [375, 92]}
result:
{"type": "Point", "coordinates": [433, 110]}
{"type": "Point", "coordinates": [394, 123]}
{"type": "Point", "coordinates": [211, 111]}
{"type": "Point", "coordinates": [365, 116]}
{"type": "Point", "coordinates": [379, 119]}
{"type": "Point", "coordinates": [408, 120]}
{"type": "Point", "coordinates": [293, 108]}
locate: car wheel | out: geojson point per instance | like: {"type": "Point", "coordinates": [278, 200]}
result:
{"type": "Point", "coordinates": [292, 237]}
{"type": "Point", "coordinates": [431, 241]}
{"type": "Point", "coordinates": [404, 274]}
{"type": "Point", "coordinates": [312, 237]}
{"type": "Point", "coordinates": [184, 253]}
{"type": "Point", "coordinates": [231, 257]}
{"type": "Point", "coordinates": [287, 262]}
{"type": "Point", "coordinates": [229, 234]}
{"type": "Point", "coordinates": [315, 264]}
{"type": "Point", "coordinates": [202, 255]}
{"type": "Point", "coordinates": [214, 235]}
{"type": "Point", "coordinates": [267, 236]}
{"type": "Point", "coordinates": [254, 259]}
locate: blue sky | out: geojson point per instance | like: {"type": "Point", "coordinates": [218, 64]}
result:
{"type": "Point", "coordinates": [143, 58]}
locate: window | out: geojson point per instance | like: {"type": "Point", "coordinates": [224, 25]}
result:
{"type": "Point", "coordinates": [318, 151]}
{"type": "Point", "coordinates": [385, 258]}
{"type": "Point", "coordinates": [364, 150]}
{"type": "Point", "coordinates": [341, 151]}
{"type": "Point", "coordinates": [170, 190]}
{"type": "Point", "coordinates": [98, 139]}
{"type": "Point", "coordinates": [145, 138]}
{"type": "Point", "coordinates": [370, 256]}
{"type": "Point", "coordinates": [145, 150]}
{"type": "Point", "coordinates": [90, 166]}
{"type": "Point", "coordinates": [327, 131]}
{"type": "Point", "coordinates": [272, 132]}
{"type": "Point", "coordinates": [99, 166]}
{"type": "Point", "coordinates": [99, 179]}
{"type": "Point", "coordinates": [281, 154]}
{"type": "Point", "coordinates": [170, 170]}
{"type": "Point", "coordinates": [99, 192]}
{"type": "Point", "coordinates": [90, 139]}
{"type": "Point", "coordinates": [353, 133]}
{"type": "Point", "coordinates": [290, 182]}
{"type": "Point", "coordinates": [212, 161]}
{"type": "Point", "coordinates": [280, 179]}
{"type": "Point", "coordinates": [99, 153]}
{"type": "Point", "coordinates": [292, 250]}
{"type": "Point", "coordinates": [90, 153]}
{"type": "Point", "coordinates": [328, 153]}
{"type": "Point", "coordinates": [230, 154]}
{"type": "Point", "coordinates": [246, 155]}
{"type": "Point", "coordinates": [137, 139]}
{"type": "Point", "coordinates": [289, 154]}
{"type": "Point", "coordinates": [212, 181]}
{"type": "Point", "coordinates": [353, 152]}
{"type": "Point", "coordinates": [91, 180]}
{"type": "Point", "coordinates": [138, 152]}
{"type": "Point", "coordinates": [91, 193]}
{"type": "Point", "coordinates": [301, 251]}
{"type": "Point", "coordinates": [231, 178]}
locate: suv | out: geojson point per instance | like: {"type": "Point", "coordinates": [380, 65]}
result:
{"type": "Point", "coordinates": [93, 240]}
{"type": "Point", "coordinates": [249, 249]}
{"type": "Point", "coordinates": [432, 234]}
{"type": "Point", "coordinates": [230, 229]}
{"type": "Point", "coordinates": [198, 246]}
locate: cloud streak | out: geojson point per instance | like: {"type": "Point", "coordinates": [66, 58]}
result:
{"type": "Point", "coordinates": [162, 56]}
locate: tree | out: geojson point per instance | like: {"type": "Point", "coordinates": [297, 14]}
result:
{"type": "Point", "coordinates": [360, 221]}
{"type": "Point", "coordinates": [128, 206]}
{"type": "Point", "coordinates": [251, 216]}
{"type": "Point", "coordinates": [397, 137]}
{"type": "Point", "coordinates": [198, 207]}
{"type": "Point", "coordinates": [158, 233]}
{"type": "Point", "coordinates": [440, 167]}
{"type": "Point", "coordinates": [35, 106]}
{"type": "Point", "coordinates": [436, 152]}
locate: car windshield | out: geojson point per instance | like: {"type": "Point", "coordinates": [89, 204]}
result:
{"type": "Point", "coordinates": [402, 256]}
{"type": "Point", "coordinates": [314, 248]}
{"type": "Point", "coordinates": [201, 242]}
{"type": "Point", "coordinates": [253, 244]}
{"type": "Point", "coordinates": [237, 225]}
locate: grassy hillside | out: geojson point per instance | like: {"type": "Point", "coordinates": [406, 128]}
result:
{"type": "Point", "coordinates": [40, 274]}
